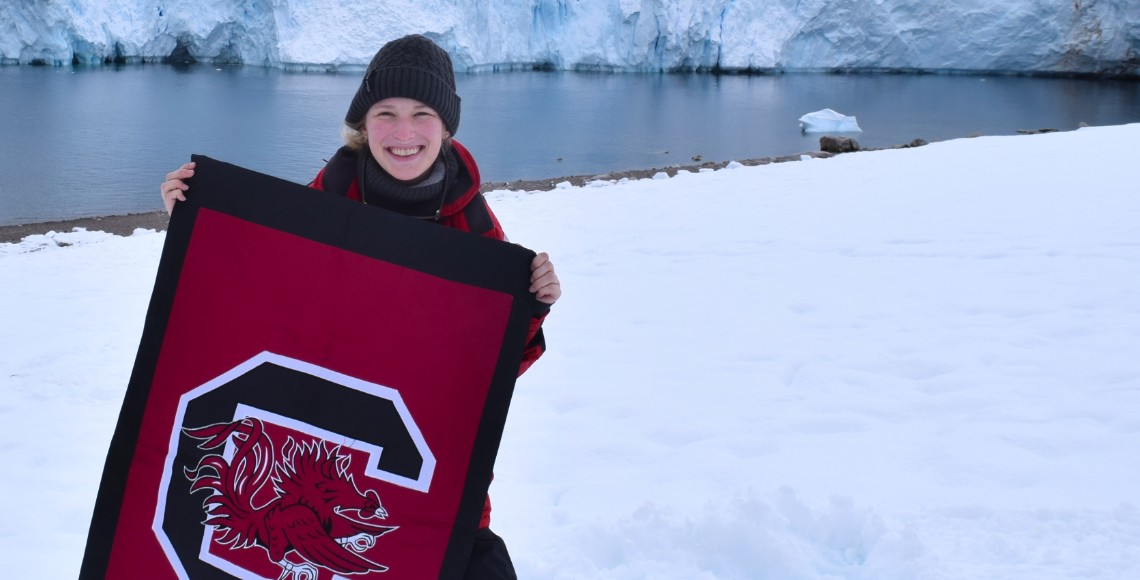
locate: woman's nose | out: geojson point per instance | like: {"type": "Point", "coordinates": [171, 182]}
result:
{"type": "Point", "coordinates": [403, 129]}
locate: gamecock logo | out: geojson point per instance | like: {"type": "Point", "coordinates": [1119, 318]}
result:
{"type": "Point", "coordinates": [314, 508]}
{"type": "Point", "coordinates": [262, 481]}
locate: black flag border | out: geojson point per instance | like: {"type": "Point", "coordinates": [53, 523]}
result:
{"type": "Point", "coordinates": [335, 221]}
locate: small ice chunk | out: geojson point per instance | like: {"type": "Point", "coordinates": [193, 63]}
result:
{"type": "Point", "coordinates": [828, 121]}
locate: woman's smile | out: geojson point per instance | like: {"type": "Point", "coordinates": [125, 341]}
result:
{"type": "Point", "coordinates": [404, 151]}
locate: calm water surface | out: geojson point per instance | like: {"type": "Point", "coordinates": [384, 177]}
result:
{"type": "Point", "coordinates": [98, 141]}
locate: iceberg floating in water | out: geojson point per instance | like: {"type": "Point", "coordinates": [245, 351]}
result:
{"type": "Point", "coordinates": [828, 121]}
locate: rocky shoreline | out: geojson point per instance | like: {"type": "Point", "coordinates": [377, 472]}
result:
{"type": "Point", "coordinates": [124, 225]}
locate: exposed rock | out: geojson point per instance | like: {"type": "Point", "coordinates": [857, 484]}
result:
{"type": "Point", "coordinates": [1035, 131]}
{"type": "Point", "coordinates": [832, 144]}
{"type": "Point", "coordinates": [120, 225]}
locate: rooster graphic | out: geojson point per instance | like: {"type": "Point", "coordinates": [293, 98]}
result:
{"type": "Point", "coordinates": [307, 503]}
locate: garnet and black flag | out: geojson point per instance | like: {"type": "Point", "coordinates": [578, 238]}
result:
{"type": "Point", "coordinates": [319, 392]}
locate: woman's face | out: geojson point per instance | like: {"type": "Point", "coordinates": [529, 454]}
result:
{"type": "Point", "coordinates": [405, 136]}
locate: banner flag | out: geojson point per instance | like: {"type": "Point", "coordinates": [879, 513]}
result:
{"type": "Point", "coordinates": [319, 391]}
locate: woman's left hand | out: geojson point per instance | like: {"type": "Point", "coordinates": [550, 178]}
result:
{"type": "Point", "coordinates": [543, 280]}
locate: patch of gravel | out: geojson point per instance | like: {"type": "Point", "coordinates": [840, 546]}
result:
{"type": "Point", "coordinates": [122, 225]}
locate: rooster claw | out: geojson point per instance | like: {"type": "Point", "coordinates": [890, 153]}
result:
{"type": "Point", "coordinates": [358, 543]}
{"type": "Point", "coordinates": [304, 571]}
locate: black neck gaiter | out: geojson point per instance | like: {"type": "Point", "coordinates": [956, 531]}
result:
{"type": "Point", "coordinates": [423, 200]}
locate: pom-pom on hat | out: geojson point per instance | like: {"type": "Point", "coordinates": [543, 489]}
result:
{"type": "Point", "coordinates": [413, 67]}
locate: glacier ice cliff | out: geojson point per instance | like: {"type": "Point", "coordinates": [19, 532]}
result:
{"type": "Point", "coordinates": [1097, 37]}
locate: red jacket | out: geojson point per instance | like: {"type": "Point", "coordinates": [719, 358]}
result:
{"type": "Point", "coordinates": [464, 209]}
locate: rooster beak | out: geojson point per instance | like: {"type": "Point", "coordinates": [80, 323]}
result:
{"type": "Point", "coordinates": [374, 499]}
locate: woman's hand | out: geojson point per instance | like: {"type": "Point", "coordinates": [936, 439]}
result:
{"type": "Point", "coordinates": [543, 280]}
{"type": "Point", "coordinates": [174, 188]}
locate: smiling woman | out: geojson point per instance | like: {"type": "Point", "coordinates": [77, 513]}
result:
{"type": "Point", "coordinates": [400, 156]}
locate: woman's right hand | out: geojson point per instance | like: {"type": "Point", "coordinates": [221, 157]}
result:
{"type": "Point", "coordinates": [174, 188]}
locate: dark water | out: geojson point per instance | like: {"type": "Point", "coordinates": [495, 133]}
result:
{"type": "Point", "coordinates": [82, 142]}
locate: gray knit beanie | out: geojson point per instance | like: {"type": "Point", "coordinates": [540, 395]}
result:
{"type": "Point", "coordinates": [413, 67]}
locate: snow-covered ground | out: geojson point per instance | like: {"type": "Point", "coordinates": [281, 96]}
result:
{"type": "Point", "coordinates": [914, 364]}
